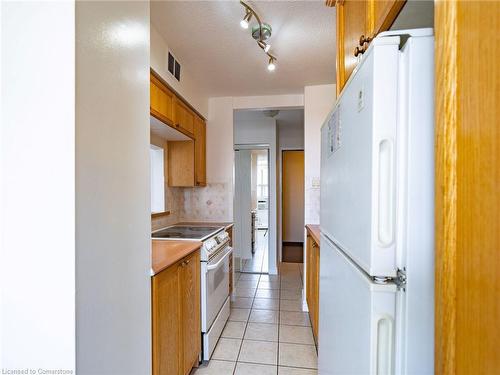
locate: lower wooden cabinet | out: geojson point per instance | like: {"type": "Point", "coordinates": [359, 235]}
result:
{"type": "Point", "coordinates": [176, 317]}
{"type": "Point", "coordinates": [312, 283]}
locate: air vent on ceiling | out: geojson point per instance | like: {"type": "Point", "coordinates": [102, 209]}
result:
{"type": "Point", "coordinates": [174, 67]}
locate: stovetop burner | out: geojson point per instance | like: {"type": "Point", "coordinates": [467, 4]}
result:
{"type": "Point", "coordinates": [186, 232]}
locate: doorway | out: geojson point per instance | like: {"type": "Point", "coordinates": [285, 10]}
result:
{"type": "Point", "coordinates": [292, 187]}
{"type": "Point", "coordinates": [251, 208]}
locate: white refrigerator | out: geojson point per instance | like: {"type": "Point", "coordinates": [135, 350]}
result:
{"type": "Point", "coordinates": [377, 214]}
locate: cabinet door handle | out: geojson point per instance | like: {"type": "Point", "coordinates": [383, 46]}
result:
{"type": "Point", "coordinates": [358, 51]}
{"type": "Point", "coordinates": [364, 39]}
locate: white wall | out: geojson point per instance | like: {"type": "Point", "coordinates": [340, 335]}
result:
{"type": "Point", "coordinates": [318, 102]}
{"type": "Point", "coordinates": [113, 223]}
{"type": "Point", "coordinates": [187, 87]}
{"type": "Point", "coordinates": [37, 197]}
{"type": "Point", "coordinates": [268, 101]}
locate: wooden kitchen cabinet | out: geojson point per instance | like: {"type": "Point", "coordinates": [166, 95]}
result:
{"type": "Point", "coordinates": [184, 118]}
{"type": "Point", "coordinates": [351, 24]}
{"type": "Point", "coordinates": [190, 310]}
{"type": "Point", "coordinates": [358, 22]}
{"type": "Point", "coordinates": [161, 101]}
{"type": "Point", "coordinates": [187, 159]}
{"type": "Point", "coordinates": [181, 169]}
{"type": "Point", "coordinates": [312, 282]}
{"type": "Point", "coordinates": [176, 327]}
{"type": "Point", "coordinates": [200, 158]}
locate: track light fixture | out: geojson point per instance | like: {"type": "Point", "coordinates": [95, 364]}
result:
{"type": "Point", "coordinates": [260, 32]}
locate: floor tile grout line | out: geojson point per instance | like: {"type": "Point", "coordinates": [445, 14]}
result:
{"type": "Point", "coordinates": [244, 332]}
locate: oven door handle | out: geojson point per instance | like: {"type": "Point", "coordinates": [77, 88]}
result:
{"type": "Point", "coordinates": [214, 266]}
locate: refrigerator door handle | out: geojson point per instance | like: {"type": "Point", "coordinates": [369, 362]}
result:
{"type": "Point", "coordinates": [385, 192]}
{"type": "Point", "coordinates": [384, 345]}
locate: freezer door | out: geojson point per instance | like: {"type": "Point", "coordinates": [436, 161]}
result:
{"type": "Point", "coordinates": [356, 320]}
{"type": "Point", "coordinates": [358, 163]}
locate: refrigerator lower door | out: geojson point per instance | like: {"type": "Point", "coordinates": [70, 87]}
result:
{"type": "Point", "coordinates": [357, 319]}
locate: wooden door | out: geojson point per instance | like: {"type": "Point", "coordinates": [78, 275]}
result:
{"type": "Point", "coordinates": [166, 315]}
{"type": "Point", "coordinates": [190, 311]}
{"type": "Point", "coordinates": [161, 101]}
{"type": "Point", "coordinates": [467, 187]}
{"type": "Point", "coordinates": [351, 24]}
{"type": "Point", "coordinates": [200, 163]}
{"type": "Point", "coordinates": [293, 196]}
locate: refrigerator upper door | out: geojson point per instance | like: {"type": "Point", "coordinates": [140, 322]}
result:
{"type": "Point", "coordinates": [357, 319]}
{"type": "Point", "coordinates": [358, 162]}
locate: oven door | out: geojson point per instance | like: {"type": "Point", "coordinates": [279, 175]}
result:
{"type": "Point", "coordinates": [214, 286]}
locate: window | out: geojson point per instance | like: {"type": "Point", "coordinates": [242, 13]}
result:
{"type": "Point", "coordinates": [157, 179]}
{"type": "Point", "coordinates": [262, 177]}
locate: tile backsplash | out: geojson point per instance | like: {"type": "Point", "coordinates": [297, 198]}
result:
{"type": "Point", "coordinates": [210, 203]}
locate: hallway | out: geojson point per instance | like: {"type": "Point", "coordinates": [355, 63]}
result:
{"type": "Point", "coordinates": [259, 262]}
{"type": "Point", "coordinates": [268, 332]}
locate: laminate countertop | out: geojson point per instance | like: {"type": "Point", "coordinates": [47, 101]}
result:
{"type": "Point", "coordinates": [166, 253]}
{"type": "Point", "coordinates": [314, 232]}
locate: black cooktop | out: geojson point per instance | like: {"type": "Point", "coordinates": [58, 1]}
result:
{"type": "Point", "coordinates": [186, 232]}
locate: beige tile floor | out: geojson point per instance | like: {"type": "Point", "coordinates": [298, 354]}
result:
{"type": "Point", "coordinates": [268, 331]}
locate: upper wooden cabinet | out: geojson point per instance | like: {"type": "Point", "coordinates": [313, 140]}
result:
{"type": "Point", "coordinates": [183, 117]}
{"type": "Point", "coordinates": [200, 162]}
{"type": "Point", "coordinates": [186, 159]}
{"type": "Point", "coordinates": [161, 101]}
{"type": "Point", "coordinates": [358, 22]}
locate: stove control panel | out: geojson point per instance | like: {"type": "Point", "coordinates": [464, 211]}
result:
{"type": "Point", "coordinates": [222, 237]}
{"type": "Point", "coordinates": [210, 244]}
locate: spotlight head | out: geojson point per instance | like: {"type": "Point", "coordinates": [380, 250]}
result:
{"type": "Point", "coordinates": [246, 20]}
{"type": "Point", "coordinates": [271, 66]}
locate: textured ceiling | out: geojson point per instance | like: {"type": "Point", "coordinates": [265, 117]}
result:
{"type": "Point", "coordinates": [223, 58]}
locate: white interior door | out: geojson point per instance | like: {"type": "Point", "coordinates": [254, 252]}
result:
{"type": "Point", "coordinates": [243, 204]}
{"type": "Point", "coordinates": [356, 320]}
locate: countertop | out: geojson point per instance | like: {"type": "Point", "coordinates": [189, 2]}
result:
{"type": "Point", "coordinates": [313, 230]}
{"type": "Point", "coordinates": [166, 253]}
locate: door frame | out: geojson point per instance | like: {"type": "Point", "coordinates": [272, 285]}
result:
{"type": "Point", "coordinates": [272, 225]}
{"type": "Point", "coordinates": [280, 198]}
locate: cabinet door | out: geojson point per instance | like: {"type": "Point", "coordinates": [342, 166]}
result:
{"type": "Point", "coordinates": [184, 118]}
{"type": "Point", "coordinates": [308, 272]}
{"type": "Point", "coordinates": [200, 152]}
{"type": "Point", "coordinates": [181, 163]}
{"type": "Point", "coordinates": [382, 14]}
{"type": "Point", "coordinates": [351, 24]}
{"type": "Point", "coordinates": [161, 101]}
{"type": "Point", "coordinates": [315, 289]}
{"type": "Point", "coordinates": [190, 311]}
{"type": "Point", "coordinates": [166, 316]}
